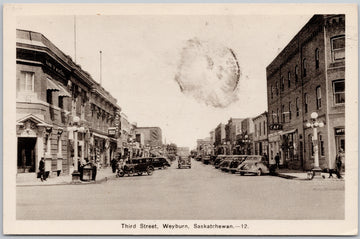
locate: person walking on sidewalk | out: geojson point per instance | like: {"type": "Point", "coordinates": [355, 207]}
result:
{"type": "Point", "coordinates": [42, 169]}
{"type": "Point", "coordinates": [339, 159]}
{"type": "Point", "coordinates": [277, 160]}
{"type": "Point", "coordinates": [113, 165]}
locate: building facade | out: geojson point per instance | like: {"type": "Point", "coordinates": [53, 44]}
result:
{"type": "Point", "coordinates": [260, 134]}
{"type": "Point", "coordinates": [220, 140]}
{"type": "Point", "coordinates": [308, 76]}
{"type": "Point", "coordinates": [232, 128]}
{"type": "Point", "coordinates": [54, 99]}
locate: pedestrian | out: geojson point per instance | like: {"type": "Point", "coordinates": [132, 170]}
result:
{"type": "Point", "coordinates": [113, 165]}
{"type": "Point", "coordinates": [277, 160]}
{"type": "Point", "coordinates": [42, 169]}
{"type": "Point", "coordinates": [338, 161]}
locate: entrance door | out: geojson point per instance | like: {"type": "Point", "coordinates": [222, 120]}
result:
{"type": "Point", "coordinates": [26, 155]}
{"type": "Point", "coordinates": [340, 143]}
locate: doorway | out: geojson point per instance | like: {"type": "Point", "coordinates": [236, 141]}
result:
{"type": "Point", "coordinates": [26, 155]}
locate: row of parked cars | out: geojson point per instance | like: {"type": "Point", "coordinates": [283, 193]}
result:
{"type": "Point", "coordinates": [243, 164]}
{"type": "Point", "coordinates": [142, 165]}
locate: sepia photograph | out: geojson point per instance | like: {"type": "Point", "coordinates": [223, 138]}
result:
{"type": "Point", "coordinates": [180, 119]}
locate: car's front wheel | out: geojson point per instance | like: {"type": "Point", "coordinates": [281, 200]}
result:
{"type": "Point", "coordinates": [130, 173]}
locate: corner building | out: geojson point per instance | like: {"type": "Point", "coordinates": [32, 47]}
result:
{"type": "Point", "coordinates": [308, 76]}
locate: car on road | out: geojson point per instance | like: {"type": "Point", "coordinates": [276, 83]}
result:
{"type": "Point", "coordinates": [218, 160]}
{"type": "Point", "coordinates": [224, 165]}
{"type": "Point", "coordinates": [205, 159]}
{"type": "Point", "coordinates": [184, 162]}
{"type": "Point", "coordinates": [236, 162]}
{"type": "Point", "coordinates": [253, 164]}
{"type": "Point", "coordinates": [160, 162]}
{"type": "Point", "coordinates": [136, 166]}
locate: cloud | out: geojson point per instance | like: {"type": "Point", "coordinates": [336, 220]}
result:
{"type": "Point", "coordinates": [209, 73]}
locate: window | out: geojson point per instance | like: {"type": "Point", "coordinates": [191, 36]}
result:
{"type": "Point", "coordinates": [306, 102]}
{"type": "Point", "coordinates": [277, 88]}
{"type": "Point", "coordinates": [282, 83]}
{"type": "Point", "coordinates": [289, 110]}
{"type": "Point", "coordinates": [26, 81]}
{"type": "Point", "coordinates": [264, 129]}
{"type": "Point", "coordinates": [289, 79]}
{"type": "Point", "coordinates": [283, 113]}
{"type": "Point", "coordinates": [277, 115]}
{"type": "Point", "coordinates": [296, 73]}
{"type": "Point", "coordinates": [304, 67]}
{"type": "Point", "coordinates": [271, 91]}
{"type": "Point", "coordinates": [317, 61]}
{"type": "Point", "coordinates": [297, 106]}
{"type": "Point", "coordinates": [338, 47]}
{"type": "Point", "coordinates": [61, 102]}
{"type": "Point", "coordinates": [339, 91]}
{"type": "Point", "coordinates": [322, 148]}
{"type": "Point", "coordinates": [49, 96]}
{"type": "Point", "coordinates": [318, 97]}
{"type": "Point", "coordinates": [272, 117]}
{"type": "Point", "coordinates": [256, 130]}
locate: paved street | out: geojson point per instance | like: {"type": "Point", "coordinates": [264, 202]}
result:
{"type": "Point", "coordinates": [201, 192]}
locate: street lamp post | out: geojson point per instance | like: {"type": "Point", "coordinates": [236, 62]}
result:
{"type": "Point", "coordinates": [315, 124]}
{"type": "Point", "coordinates": [76, 129]}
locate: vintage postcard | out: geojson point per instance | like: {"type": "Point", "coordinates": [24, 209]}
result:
{"type": "Point", "coordinates": [180, 119]}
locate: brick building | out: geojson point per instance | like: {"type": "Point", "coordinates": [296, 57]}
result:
{"type": "Point", "coordinates": [308, 76]}
{"type": "Point", "coordinates": [51, 92]}
{"type": "Point", "coordinates": [232, 128]}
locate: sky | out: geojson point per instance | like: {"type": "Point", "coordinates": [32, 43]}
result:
{"type": "Point", "coordinates": [176, 72]}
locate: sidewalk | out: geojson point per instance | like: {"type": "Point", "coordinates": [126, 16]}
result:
{"type": "Point", "coordinates": [102, 175]}
{"type": "Point", "coordinates": [303, 175]}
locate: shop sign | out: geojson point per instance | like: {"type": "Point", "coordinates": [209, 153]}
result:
{"type": "Point", "coordinates": [340, 131]}
{"type": "Point", "coordinates": [276, 127]}
{"type": "Point", "coordinates": [112, 131]}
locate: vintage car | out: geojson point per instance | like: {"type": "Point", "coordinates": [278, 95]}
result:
{"type": "Point", "coordinates": [205, 159]}
{"type": "Point", "coordinates": [160, 162]}
{"type": "Point", "coordinates": [254, 164]}
{"type": "Point", "coordinates": [218, 160]}
{"type": "Point", "coordinates": [224, 165]}
{"type": "Point", "coordinates": [184, 162]}
{"type": "Point", "coordinates": [136, 166]}
{"type": "Point", "coordinates": [236, 162]}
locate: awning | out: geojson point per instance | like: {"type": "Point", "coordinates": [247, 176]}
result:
{"type": "Point", "coordinates": [52, 86]}
{"type": "Point", "coordinates": [63, 92]}
{"type": "Point", "coordinates": [288, 132]}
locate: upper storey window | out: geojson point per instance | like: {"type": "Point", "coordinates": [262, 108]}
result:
{"type": "Point", "coordinates": [26, 81]}
{"type": "Point", "coordinates": [338, 47]}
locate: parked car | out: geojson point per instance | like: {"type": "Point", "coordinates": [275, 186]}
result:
{"type": "Point", "coordinates": [218, 160]}
{"type": "Point", "coordinates": [254, 164]}
{"type": "Point", "coordinates": [160, 162]}
{"type": "Point", "coordinates": [205, 159]}
{"type": "Point", "coordinates": [198, 158]}
{"type": "Point", "coordinates": [184, 162]}
{"type": "Point", "coordinates": [236, 162]}
{"type": "Point", "coordinates": [224, 165]}
{"type": "Point", "coordinates": [136, 166]}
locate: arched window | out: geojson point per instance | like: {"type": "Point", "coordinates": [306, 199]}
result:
{"type": "Point", "coordinates": [317, 58]}
{"type": "Point", "coordinates": [304, 67]}
{"type": "Point", "coordinates": [318, 97]}
{"type": "Point", "coordinates": [296, 73]}
{"type": "Point", "coordinates": [289, 79]}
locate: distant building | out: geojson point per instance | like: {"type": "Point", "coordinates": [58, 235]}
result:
{"type": "Point", "coordinates": [260, 134]}
{"type": "Point", "coordinates": [308, 76]}
{"type": "Point", "coordinates": [148, 136]}
{"type": "Point", "coordinates": [232, 128]}
{"type": "Point", "coordinates": [220, 139]}
{"type": "Point", "coordinates": [204, 146]}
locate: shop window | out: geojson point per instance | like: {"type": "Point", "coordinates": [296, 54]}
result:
{"type": "Point", "coordinates": [306, 102]}
{"type": "Point", "coordinates": [317, 59]}
{"type": "Point", "coordinates": [338, 47]}
{"type": "Point", "coordinates": [339, 91]}
{"type": "Point", "coordinates": [289, 79]}
{"type": "Point", "coordinates": [304, 68]}
{"type": "Point", "coordinates": [318, 97]}
{"type": "Point", "coordinates": [321, 144]}
{"type": "Point", "coordinates": [26, 81]}
{"type": "Point", "coordinates": [296, 73]}
{"type": "Point", "coordinates": [297, 106]}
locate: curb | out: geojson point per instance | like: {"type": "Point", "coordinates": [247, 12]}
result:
{"type": "Point", "coordinates": [286, 176]}
{"type": "Point", "coordinates": [105, 179]}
